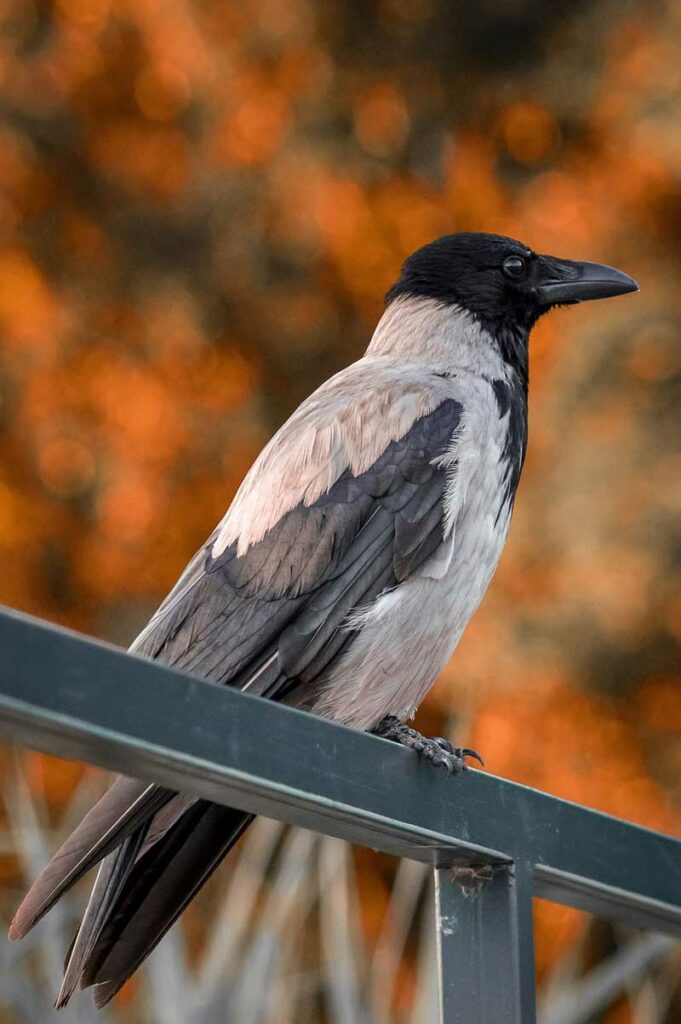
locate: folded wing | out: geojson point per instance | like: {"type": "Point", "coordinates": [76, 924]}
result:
{"type": "Point", "coordinates": [264, 613]}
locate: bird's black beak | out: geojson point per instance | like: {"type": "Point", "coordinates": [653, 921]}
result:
{"type": "Point", "coordinates": [566, 281]}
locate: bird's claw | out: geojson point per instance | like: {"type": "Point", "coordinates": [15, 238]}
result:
{"type": "Point", "coordinates": [440, 751]}
{"type": "Point", "coordinates": [436, 750]}
{"type": "Point", "coordinates": [441, 754]}
{"type": "Point", "coordinates": [467, 752]}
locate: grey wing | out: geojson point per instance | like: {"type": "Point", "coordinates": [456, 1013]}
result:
{"type": "Point", "coordinates": [174, 603]}
{"type": "Point", "coordinates": [275, 615]}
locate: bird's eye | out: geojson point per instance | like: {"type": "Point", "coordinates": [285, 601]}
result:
{"type": "Point", "coordinates": [514, 266]}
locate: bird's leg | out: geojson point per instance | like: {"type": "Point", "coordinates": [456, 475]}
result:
{"type": "Point", "coordinates": [434, 749]}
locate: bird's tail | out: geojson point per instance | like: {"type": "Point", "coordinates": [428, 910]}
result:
{"type": "Point", "coordinates": [156, 853]}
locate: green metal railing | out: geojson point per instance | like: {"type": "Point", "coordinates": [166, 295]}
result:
{"type": "Point", "coordinates": [493, 844]}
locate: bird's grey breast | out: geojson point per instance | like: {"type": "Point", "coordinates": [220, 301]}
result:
{"type": "Point", "coordinates": [406, 636]}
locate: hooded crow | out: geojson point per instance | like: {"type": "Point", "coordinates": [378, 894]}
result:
{"type": "Point", "coordinates": [344, 572]}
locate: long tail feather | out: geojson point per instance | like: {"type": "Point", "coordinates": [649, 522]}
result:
{"type": "Point", "coordinates": [109, 883]}
{"type": "Point", "coordinates": [117, 815]}
{"type": "Point", "coordinates": [111, 878]}
{"type": "Point", "coordinates": [161, 884]}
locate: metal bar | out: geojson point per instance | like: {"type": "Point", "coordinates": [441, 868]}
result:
{"type": "Point", "coordinates": [77, 698]}
{"type": "Point", "coordinates": [485, 945]}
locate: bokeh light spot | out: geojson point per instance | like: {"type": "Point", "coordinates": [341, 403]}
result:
{"type": "Point", "coordinates": [530, 131]}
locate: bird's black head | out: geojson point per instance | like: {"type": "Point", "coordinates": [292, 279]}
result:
{"type": "Point", "coordinates": [503, 284]}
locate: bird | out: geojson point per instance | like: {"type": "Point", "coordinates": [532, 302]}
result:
{"type": "Point", "coordinates": [344, 572]}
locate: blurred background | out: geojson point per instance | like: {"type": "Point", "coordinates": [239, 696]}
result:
{"type": "Point", "coordinates": [202, 203]}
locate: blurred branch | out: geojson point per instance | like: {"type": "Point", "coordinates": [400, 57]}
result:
{"type": "Point", "coordinates": [607, 981]}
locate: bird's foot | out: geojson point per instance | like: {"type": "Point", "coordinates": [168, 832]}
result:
{"type": "Point", "coordinates": [436, 750]}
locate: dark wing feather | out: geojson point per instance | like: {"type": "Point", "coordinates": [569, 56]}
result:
{"type": "Point", "coordinates": [265, 618]}
{"type": "Point", "coordinates": [366, 534]}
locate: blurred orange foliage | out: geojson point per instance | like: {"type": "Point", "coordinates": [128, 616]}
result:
{"type": "Point", "coordinates": [200, 208]}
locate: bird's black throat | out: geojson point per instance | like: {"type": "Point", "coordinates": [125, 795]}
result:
{"type": "Point", "coordinates": [513, 342]}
